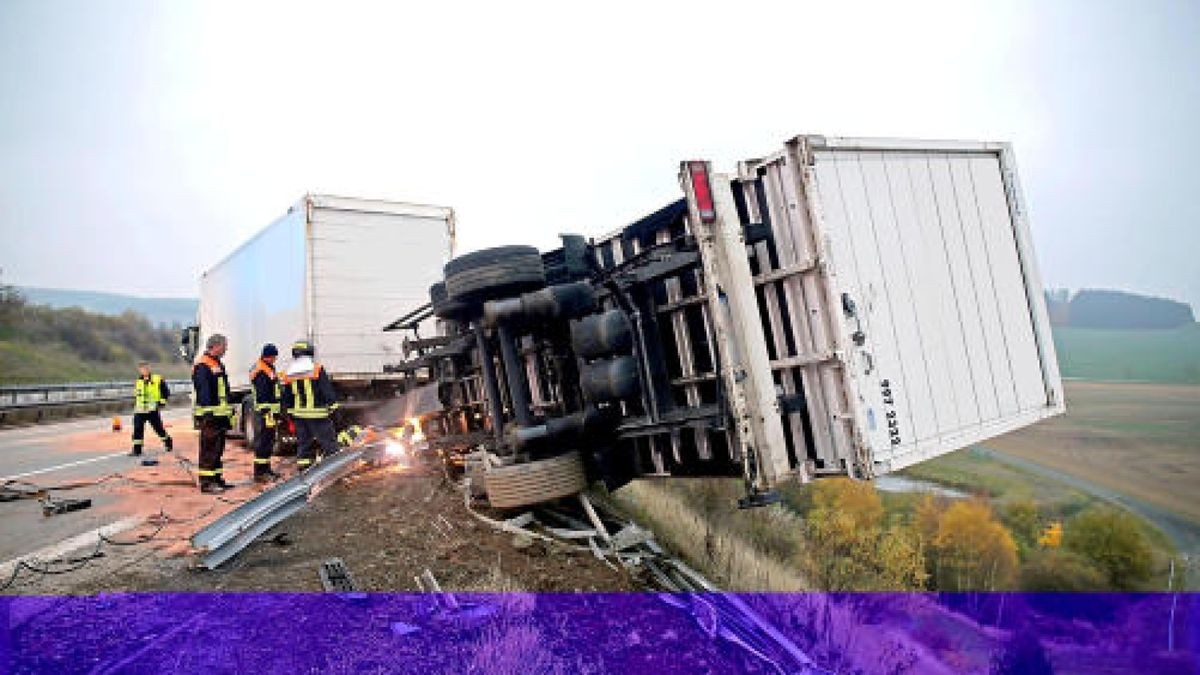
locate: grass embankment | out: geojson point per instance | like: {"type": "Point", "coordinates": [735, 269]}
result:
{"type": "Point", "coordinates": [24, 363]}
{"type": "Point", "coordinates": [698, 519]}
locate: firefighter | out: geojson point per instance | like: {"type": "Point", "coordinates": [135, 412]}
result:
{"type": "Point", "coordinates": [150, 393]}
{"type": "Point", "coordinates": [212, 411]}
{"type": "Point", "coordinates": [266, 406]}
{"type": "Point", "coordinates": [309, 399]}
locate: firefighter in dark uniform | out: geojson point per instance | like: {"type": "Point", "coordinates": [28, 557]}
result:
{"type": "Point", "coordinates": [309, 398]}
{"type": "Point", "coordinates": [212, 411]}
{"type": "Point", "coordinates": [267, 396]}
{"type": "Point", "coordinates": [150, 393]}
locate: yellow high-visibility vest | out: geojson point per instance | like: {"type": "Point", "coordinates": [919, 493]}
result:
{"type": "Point", "coordinates": [147, 394]}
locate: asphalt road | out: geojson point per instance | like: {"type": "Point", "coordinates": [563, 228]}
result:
{"type": "Point", "coordinates": [66, 452]}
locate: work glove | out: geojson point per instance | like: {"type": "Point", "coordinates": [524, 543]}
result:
{"type": "Point", "coordinates": [269, 419]}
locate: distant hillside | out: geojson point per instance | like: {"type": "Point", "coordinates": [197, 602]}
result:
{"type": "Point", "coordinates": [159, 311]}
{"type": "Point", "coordinates": [40, 344]}
{"type": "Point", "coordinates": [1106, 309]}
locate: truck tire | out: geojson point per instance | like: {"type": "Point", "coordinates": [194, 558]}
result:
{"type": "Point", "coordinates": [443, 306]}
{"type": "Point", "coordinates": [494, 273]}
{"type": "Point", "coordinates": [544, 480]}
{"type": "Point", "coordinates": [238, 432]}
{"type": "Point", "coordinates": [248, 423]}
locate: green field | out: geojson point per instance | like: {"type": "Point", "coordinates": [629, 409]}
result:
{"type": "Point", "coordinates": [1166, 356]}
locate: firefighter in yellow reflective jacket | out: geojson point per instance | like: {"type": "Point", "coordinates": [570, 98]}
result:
{"type": "Point", "coordinates": [150, 393]}
{"type": "Point", "coordinates": [309, 398]}
{"type": "Point", "coordinates": [213, 413]}
{"type": "Point", "coordinates": [267, 397]}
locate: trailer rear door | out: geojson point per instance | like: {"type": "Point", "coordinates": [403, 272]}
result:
{"type": "Point", "coordinates": [371, 261]}
{"type": "Point", "coordinates": [905, 275]}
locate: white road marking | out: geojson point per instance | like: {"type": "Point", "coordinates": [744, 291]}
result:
{"type": "Point", "coordinates": [91, 537]}
{"type": "Point", "coordinates": [63, 466]}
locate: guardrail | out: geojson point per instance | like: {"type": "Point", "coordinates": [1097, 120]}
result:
{"type": "Point", "coordinates": [18, 397]}
{"type": "Point", "coordinates": [228, 535]}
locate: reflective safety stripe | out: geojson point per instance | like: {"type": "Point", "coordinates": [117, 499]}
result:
{"type": "Point", "coordinates": [267, 407]}
{"type": "Point", "coordinates": [262, 461]}
{"type": "Point", "coordinates": [311, 414]}
{"type": "Point", "coordinates": [137, 441]}
{"type": "Point", "coordinates": [206, 473]}
{"type": "Point", "coordinates": [303, 461]}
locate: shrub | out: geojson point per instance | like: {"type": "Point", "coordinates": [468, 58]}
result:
{"type": "Point", "coordinates": [972, 550]}
{"type": "Point", "coordinates": [1113, 542]}
{"type": "Point", "coordinates": [1054, 570]}
{"type": "Point", "coordinates": [1023, 520]}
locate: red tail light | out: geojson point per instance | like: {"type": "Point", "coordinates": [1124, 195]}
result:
{"type": "Point", "coordinates": [702, 190]}
{"type": "Point", "coordinates": [291, 427]}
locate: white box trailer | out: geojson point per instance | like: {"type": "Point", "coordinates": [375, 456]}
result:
{"type": "Point", "coordinates": [907, 275]}
{"type": "Point", "coordinates": [332, 270]}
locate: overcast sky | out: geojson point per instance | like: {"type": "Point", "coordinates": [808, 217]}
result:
{"type": "Point", "coordinates": [141, 141]}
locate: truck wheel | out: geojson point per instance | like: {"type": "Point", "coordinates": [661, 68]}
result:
{"type": "Point", "coordinates": [494, 273]}
{"type": "Point", "coordinates": [248, 423]}
{"type": "Point", "coordinates": [241, 421]}
{"type": "Point", "coordinates": [535, 482]}
{"type": "Point", "coordinates": [443, 306]}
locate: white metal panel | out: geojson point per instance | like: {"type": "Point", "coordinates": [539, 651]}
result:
{"type": "Point", "coordinates": [924, 241]}
{"type": "Point", "coordinates": [371, 262]}
{"type": "Point", "coordinates": [257, 295]}
{"type": "Point", "coordinates": [1009, 284]}
{"type": "Point", "coordinates": [981, 394]}
{"type": "Point", "coordinates": [953, 386]}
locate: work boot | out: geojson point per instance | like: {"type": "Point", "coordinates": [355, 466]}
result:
{"type": "Point", "coordinates": [220, 480]}
{"type": "Point", "coordinates": [211, 488]}
{"type": "Point", "coordinates": [168, 444]}
{"type": "Point", "coordinates": [136, 452]}
{"type": "Point", "coordinates": [267, 476]}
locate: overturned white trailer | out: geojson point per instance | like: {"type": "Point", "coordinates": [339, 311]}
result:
{"type": "Point", "coordinates": [839, 307]}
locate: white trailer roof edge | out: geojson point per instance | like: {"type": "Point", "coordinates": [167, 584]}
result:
{"type": "Point", "coordinates": [337, 203]}
{"type": "Point", "coordinates": [323, 201]}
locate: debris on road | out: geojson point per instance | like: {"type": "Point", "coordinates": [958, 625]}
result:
{"type": "Point", "coordinates": [336, 578]}
{"type": "Point", "coordinates": [54, 507]}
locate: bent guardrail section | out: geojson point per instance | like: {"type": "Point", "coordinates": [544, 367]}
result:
{"type": "Point", "coordinates": [231, 533]}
